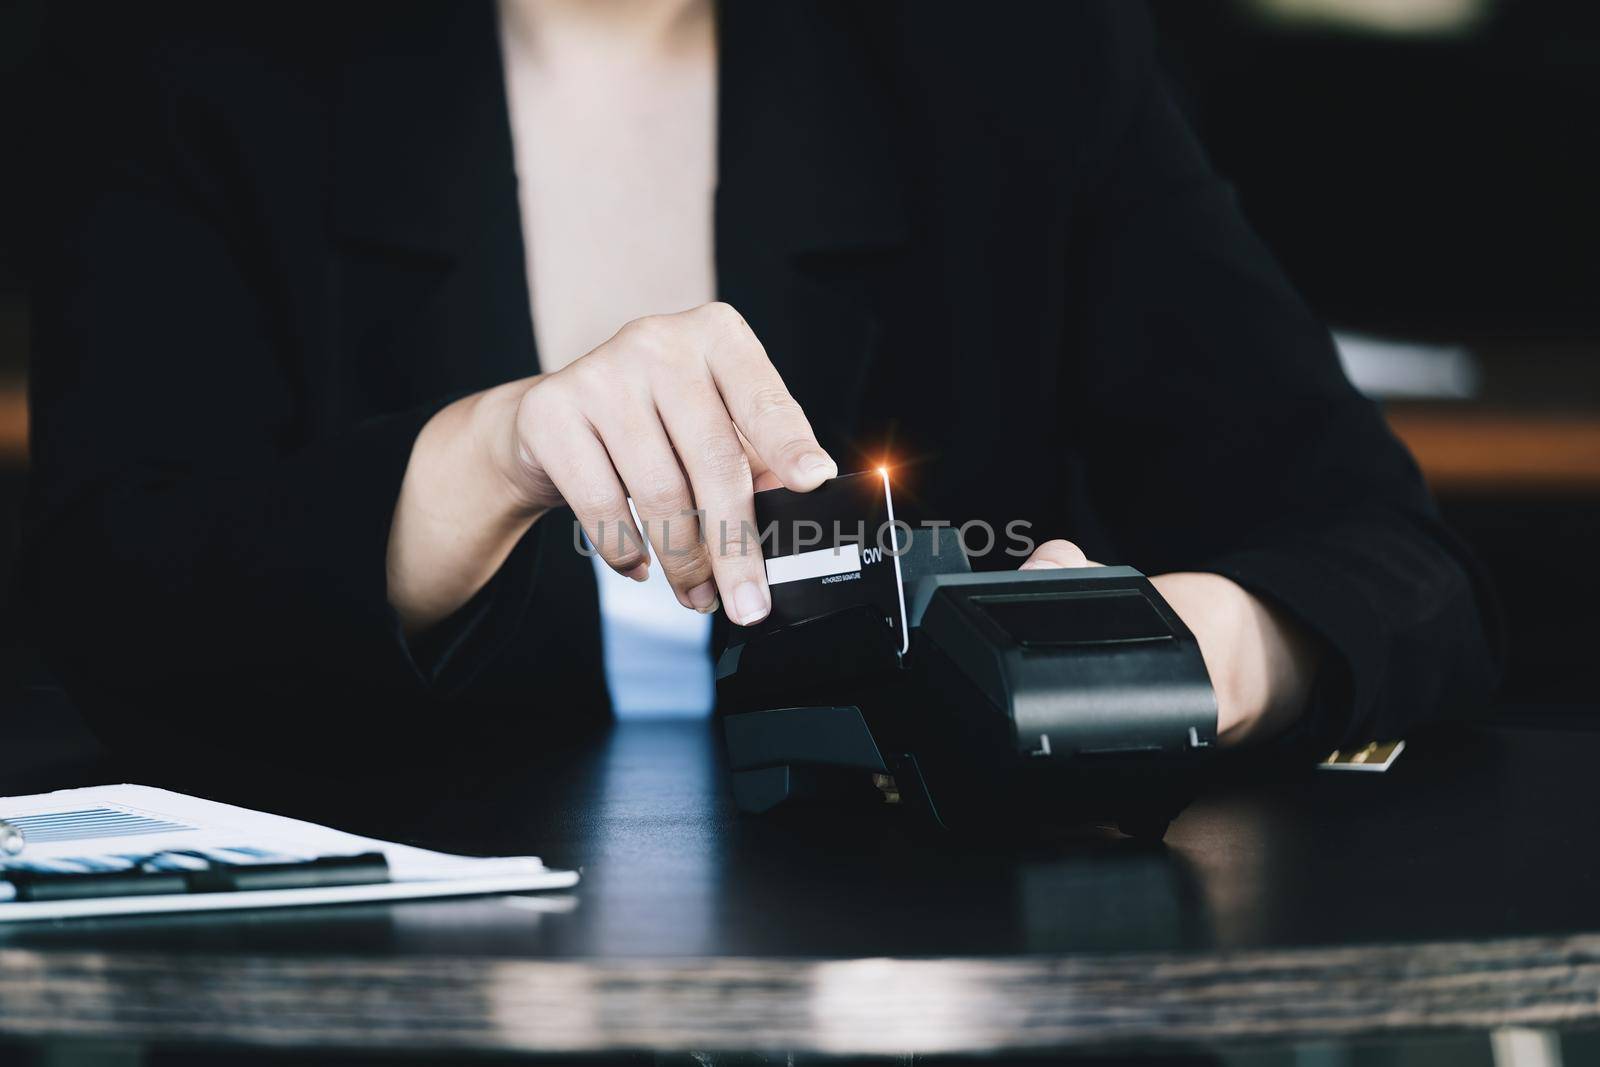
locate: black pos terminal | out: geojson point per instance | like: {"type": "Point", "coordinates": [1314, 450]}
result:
{"type": "Point", "coordinates": [1030, 699]}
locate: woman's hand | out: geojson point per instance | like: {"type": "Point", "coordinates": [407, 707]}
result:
{"type": "Point", "coordinates": [683, 414]}
{"type": "Point", "coordinates": [1260, 663]}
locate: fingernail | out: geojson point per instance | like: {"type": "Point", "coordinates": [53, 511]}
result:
{"type": "Point", "coordinates": [749, 604]}
{"type": "Point", "coordinates": [639, 572]}
{"type": "Point", "coordinates": [704, 597]}
{"type": "Point", "coordinates": [817, 463]}
{"type": "Point", "coordinates": [1039, 565]}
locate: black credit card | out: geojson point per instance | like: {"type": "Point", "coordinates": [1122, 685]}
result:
{"type": "Point", "coordinates": [832, 548]}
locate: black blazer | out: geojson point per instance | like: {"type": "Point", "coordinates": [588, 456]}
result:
{"type": "Point", "coordinates": [980, 241]}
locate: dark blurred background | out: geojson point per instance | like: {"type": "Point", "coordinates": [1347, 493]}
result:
{"type": "Point", "coordinates": [1426, 169]}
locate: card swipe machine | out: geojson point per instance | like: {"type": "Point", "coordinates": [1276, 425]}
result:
{"type": "Point", "coordinates": [888, 669]}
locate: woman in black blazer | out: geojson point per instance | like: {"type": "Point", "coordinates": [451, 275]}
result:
{"type": "Point", "coordinates": [297, 474]}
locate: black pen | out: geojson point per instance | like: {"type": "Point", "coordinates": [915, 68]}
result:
{"type": "Point", "coordinates": [368, 868]}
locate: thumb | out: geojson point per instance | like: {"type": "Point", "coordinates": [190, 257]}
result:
{"type": "Point", "coordinates": [1057, 554]}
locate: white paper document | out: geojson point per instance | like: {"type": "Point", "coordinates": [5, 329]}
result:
{"type": "Point", "coordinates": [119, 827]}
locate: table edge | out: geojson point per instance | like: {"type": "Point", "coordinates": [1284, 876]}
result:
{"type": "Point", "coordinates": [834, 1006]}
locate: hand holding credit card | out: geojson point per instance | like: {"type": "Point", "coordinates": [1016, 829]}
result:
{"type": "Point", "coordinates": [656, 440]}
{"type": "Point", "coordinates": [832, 548]}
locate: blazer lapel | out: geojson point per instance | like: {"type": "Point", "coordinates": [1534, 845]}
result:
{"type": "Point", "coordinates": [424, 223]}
{"type": "Point", "coordinates": [808, 203]}
{"type": "Point", "coordinates": [422, 138]}
{"type": "Point", "coordinates": [809, 198]}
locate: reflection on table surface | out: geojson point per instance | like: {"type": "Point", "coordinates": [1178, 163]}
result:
{"type": "Point", "coordinates": [1452, 892]}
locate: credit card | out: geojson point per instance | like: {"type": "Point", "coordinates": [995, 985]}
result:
{"type": "Point", "coordinates": [830, 549]}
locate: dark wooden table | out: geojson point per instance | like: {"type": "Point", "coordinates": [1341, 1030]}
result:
{"type": "Point", "coordinates": [1459, 891]}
